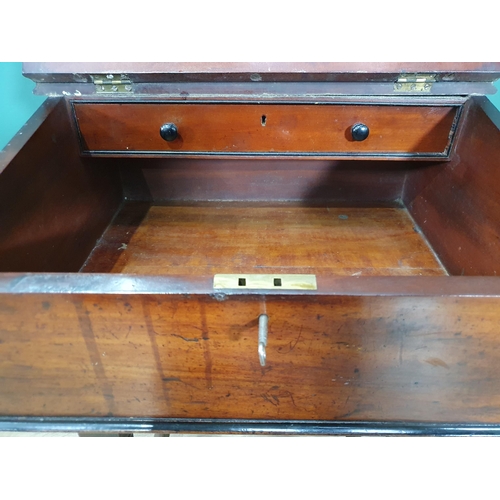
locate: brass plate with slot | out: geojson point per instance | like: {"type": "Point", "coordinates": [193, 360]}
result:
{"type": "Point", "coordinates": [266, 281]}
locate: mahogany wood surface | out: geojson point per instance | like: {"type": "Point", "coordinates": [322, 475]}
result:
{"type": "Point", "coordinates": [263, 128]}
{"type": "Point", "coordinates": [457, 204]}
{"type": "Point", "coordinates": [260, 71]}
{"type": "Point", "coordinates": [429, 358]}
{"type": "Point", "coordinates": [212, 239]}
{"type": "Point", "coordinates": [262, 80]}
{"type": "Point", "coordinates": [53, 205]}
{"type": "Point", "coordinates": [319, 182]}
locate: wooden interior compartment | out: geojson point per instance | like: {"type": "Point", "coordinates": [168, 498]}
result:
{"type": "Point", "coordinates": [389, 347]}
{"type": "Point", "coordinates": [310, 130]}
{"type": "Point", "coordinates": [64, 212]}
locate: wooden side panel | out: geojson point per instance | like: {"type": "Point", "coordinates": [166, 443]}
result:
{"type": "Point", "coordinates": [351, 358]}
{"type": "Point", "coordinates": [53, 205]}
{"type": "Point", "coordinates": [457, 204]}
{"type": "Point", "coordinates": [271, 129]}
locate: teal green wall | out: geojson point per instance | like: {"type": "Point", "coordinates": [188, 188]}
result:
{"type": "Point", "coordinates": [495, 99]}
{"type": "Point", "coordinates": [17, 103]}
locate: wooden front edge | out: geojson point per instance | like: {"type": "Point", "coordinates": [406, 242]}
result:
{"type": "Point", "coordinates": [104, 284]}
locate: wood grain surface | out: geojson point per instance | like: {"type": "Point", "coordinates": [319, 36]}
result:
{"type": "Point", "coordinates": [353, 358]}
{"type": "Point", "coordinates": [263, 128]}
{"type": "Point", "coordinates": [207, 240]}
{"type": "Point", "coordinates": [53, 204]}
{"type": "Point", "coordinates": [310, 182]}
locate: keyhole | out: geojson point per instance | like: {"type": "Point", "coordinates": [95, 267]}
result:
{"type": "Point", "coordinates": [263, 120]}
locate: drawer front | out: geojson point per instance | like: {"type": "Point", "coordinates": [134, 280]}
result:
{"type": "Point", "coordinates": [328, 358]}
{"type": "Point", "coordinates": [280, 130]}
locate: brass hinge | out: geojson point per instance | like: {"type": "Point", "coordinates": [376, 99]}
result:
{"type": "Point", "coordinates": [112, 84]}
{"type": "Point", "coordinates": [414, 83]}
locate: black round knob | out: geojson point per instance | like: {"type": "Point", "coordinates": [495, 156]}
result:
{"type": "Point", "coordinates": [168, 131]}
{"type": "Point", "coordinates": [359, 131]}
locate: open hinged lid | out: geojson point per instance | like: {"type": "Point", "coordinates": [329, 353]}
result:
{"type": "Point", "coordinates": [75, 79]}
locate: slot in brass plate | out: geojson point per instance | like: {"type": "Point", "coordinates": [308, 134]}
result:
{"type": "Point", "coordinates": [265, 281]}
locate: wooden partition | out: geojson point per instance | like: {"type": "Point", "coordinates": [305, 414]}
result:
{"type": "Point", "coordinates": [457, 204]}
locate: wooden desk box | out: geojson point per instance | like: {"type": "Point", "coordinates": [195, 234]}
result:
{"type": "Point", "coordinates": [380, 183]}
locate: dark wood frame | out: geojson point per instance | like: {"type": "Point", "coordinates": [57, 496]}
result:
{"type": "Point", "coordinates": [269, 427]}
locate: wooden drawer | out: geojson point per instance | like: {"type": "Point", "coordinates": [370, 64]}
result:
{"type": "Point", "coordinates": [280, 130]}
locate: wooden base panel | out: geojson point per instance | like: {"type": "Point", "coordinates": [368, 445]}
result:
{"type": "Point", "coordinates": [223, 238]}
